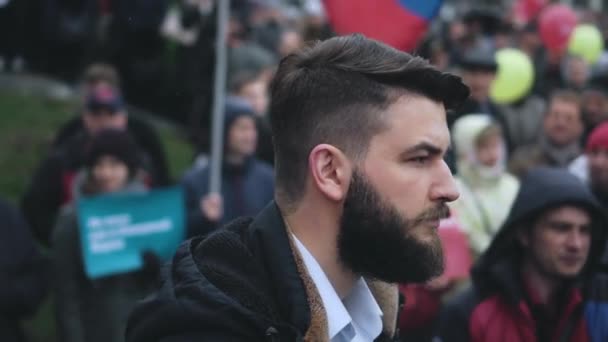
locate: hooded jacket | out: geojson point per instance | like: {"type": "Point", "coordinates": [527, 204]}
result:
{"type": "Point", "coordinates": [244, 282]}
{"type": "Point", "coordinates": [246, 188]}
{"type": "Point", "coordinates": [486, 194]}
{"type": "Point", "coordinates": [497, 307]}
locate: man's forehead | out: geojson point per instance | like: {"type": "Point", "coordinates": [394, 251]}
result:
{"type": "Point", "coordinates": [568, 213]}
{"type": "Point", "coordinates": [418, 120]}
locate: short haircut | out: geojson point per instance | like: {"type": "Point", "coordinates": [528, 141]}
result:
{"type": "Point", "coordinates": [566, 95]}
{"type": "Point", "coordinates": [334, 92]}
{"type": "Point", "coordinates": [101, 72]}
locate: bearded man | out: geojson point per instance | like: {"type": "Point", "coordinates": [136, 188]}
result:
{"type": "Point", "coordinates": [360, 134]}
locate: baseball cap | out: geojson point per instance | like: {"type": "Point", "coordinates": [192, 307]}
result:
{"type": "Point", "coordinates": [104, 97]}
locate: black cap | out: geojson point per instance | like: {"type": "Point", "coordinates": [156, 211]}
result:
{"type": "Point", "coordinates": [479, 59]}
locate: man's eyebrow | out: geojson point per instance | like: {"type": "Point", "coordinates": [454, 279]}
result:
{"type": "Point", "coordinates": [424, 147]}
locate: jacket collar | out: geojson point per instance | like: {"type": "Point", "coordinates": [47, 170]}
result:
{"type": "Point", "coordinates": [268, 236]}
{"type": "Point", "coordinates": [300, 303]}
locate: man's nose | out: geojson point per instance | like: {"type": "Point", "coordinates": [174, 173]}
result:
{"type": "Point", "coordinates": [444, 187]}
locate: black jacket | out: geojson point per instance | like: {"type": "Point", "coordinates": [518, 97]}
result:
{"type": "Point", "coordinates": [241, 283]}
{"type": "Point", "coordinates": [23, 274]}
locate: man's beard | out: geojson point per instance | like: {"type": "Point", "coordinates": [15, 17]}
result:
{"type": "Point", "coordinates": [375, 241]}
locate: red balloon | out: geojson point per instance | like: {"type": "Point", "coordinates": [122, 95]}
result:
{"type": "Point", "coordinates": [556, 23]}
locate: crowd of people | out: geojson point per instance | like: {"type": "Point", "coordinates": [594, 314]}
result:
{"type": "Point", "coordinates": [532, 173]}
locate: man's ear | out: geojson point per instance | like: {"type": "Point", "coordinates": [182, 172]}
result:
{"type": "Point", "coordinates": [330, 171]}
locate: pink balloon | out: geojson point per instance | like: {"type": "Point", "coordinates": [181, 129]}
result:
{"type": "Point", "coordinates": [556, 23]}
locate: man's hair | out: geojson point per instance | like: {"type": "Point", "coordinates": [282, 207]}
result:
{"type": "Point", "coordinates": [566, 95]}
{"type": "Point", "coordinates": [334, 92]}
{"type": "Point", "coordinates": [101, 72]}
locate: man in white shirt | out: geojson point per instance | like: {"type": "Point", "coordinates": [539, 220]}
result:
{"type": "Point", "coordinates": [360, 134]}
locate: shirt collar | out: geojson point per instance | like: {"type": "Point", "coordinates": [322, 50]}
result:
{"type": "Point", "coordinates": [357, 313]}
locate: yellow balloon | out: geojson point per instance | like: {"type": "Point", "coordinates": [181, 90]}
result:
{"type": "Point", "coordinates": [514, 78]}
{"type": "Point", "coordinates": [586, 41]}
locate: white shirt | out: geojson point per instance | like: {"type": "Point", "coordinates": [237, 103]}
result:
{"type": "Point", "coordinates": [357, 318]}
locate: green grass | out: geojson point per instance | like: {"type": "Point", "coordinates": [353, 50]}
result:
{"type": "Point", "coordinates": [27, 126]}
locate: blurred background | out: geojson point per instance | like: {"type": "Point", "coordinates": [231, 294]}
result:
{"type": "Point", "coordinates": [69, 68]}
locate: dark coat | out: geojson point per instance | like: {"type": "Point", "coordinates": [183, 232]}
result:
{"type": "Point", "coordinates": [92, 310]}
{"type": "Point", "coordinates": [244, 282]}
{"type": "Point", "coordinates": [23, 274]}
{"type": "Point", "coordinates": [498, 308]}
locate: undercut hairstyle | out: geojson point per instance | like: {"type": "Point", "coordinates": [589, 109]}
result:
{"type": "Point", "coordinates": [335, 92]}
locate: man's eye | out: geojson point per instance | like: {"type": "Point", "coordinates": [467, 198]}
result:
{"type": "Point", "coordinates": [420, 160]}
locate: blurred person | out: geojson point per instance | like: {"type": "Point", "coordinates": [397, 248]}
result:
{"type": "Point", "coordinates": [102, 75]}
{"type": "Point", "coordinates": [576, 73]}
{"type": "Point", "coordinates": [23, 274]}
{"type": "Point", "coordinates": [529, 41]}
{"type": "Point", "coordinates": [478, 72]}
{"type": "Point", "coordinates": [594, 100]}
{"type": "Point", "coordinates": [97, 309]}
{"type": "Point", "coordinates": [291, 41]}
{"type": "Point", "coordinates": [95, 75]}
{"type": "Point", "coordinates": [592, 167]}
{"type": "Point", "coordinates": [597, 154]}
{"type": "Point", "coordinates": [248, 56]}
{"type": "Point", "coordinates": [190, 25]}
{"type": "Point", "coordinates": [560, 140]}
{"type": "Point", "coordinates": [247, 183]}
{"type": "Point", "coordinates": [524, 119]}
{"type": "Point", "coordinates": [137, 48]}
{"type": "Point", "coordinates": [504, 36]}
{"type": "Point", "coordinates": [551, 70]}
{"type": "Point", "coordinates": [254, 90]}
{"type": "Point", "coordinates": [478, 67]}
{"type": "Point", "coordinates": [456, 37]}
{"type": "Point", "coordinates": [435, 51]}
{"type": "Point", "coordinates": [486, 189]}
{"type": "Point", "coordinates": [361, 186]}
{"type": "Point", "coordinates": [538, 280]}
{"type": "Point", "coordinates": [50, 186]}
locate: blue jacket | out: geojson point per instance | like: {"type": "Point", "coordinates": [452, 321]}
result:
{"type": "Point", "coordinates": [246, 190]}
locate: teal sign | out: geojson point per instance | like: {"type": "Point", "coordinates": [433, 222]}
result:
{"type": "Point", "coordinates": [116, 228]}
